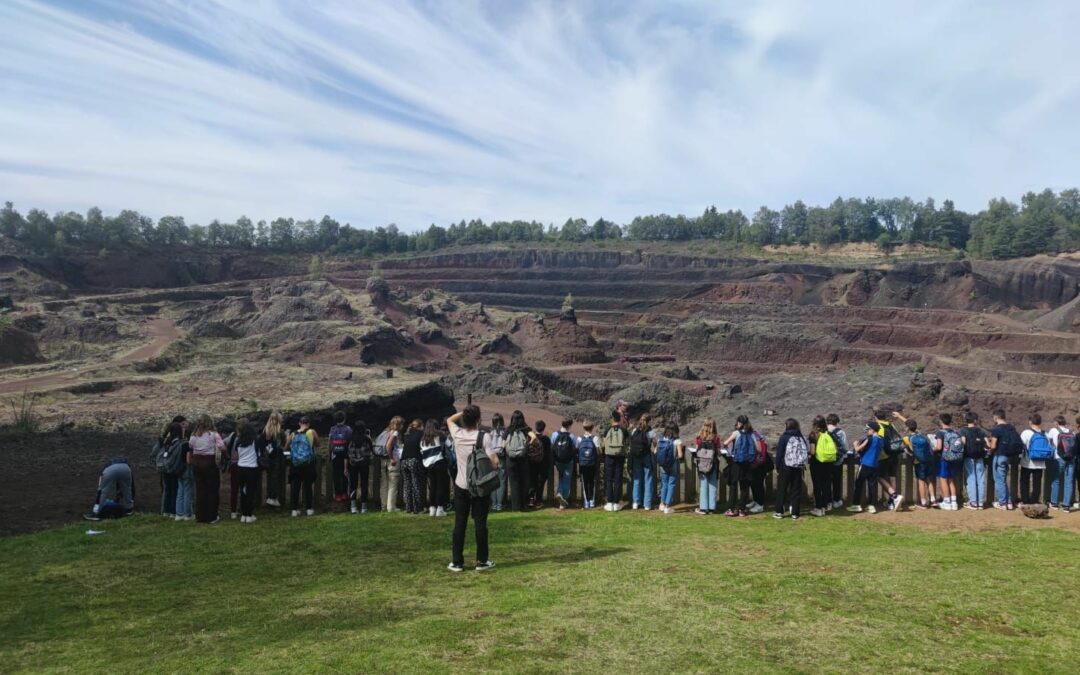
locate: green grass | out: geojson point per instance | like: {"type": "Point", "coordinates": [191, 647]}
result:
{"type": "Point", "coordinates": [581, 592]}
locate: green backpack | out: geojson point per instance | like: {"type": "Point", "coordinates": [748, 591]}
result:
{"type": "Point", "coordinates": [616, 441]}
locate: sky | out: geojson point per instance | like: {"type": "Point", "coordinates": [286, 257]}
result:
{"type": "Point", "coordinates": [419, 112]}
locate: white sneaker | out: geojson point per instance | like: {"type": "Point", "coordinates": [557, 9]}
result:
{"type": "Point", "coordinates": [273, 502]}
{"type": "Point", "coordinates": [295, 513]}
{"type": "Point", "coordinates": [180, 519]}
{"type": "Point", "coordinates": [635, 507]}
{"type": "Point", "coordinates": [897, 502]}
{"type": "Point", "coordinates": [828, 507]}
{"type": "Point", "coordinates": [616, 507]}
{"type": "Point", "coordinates": [233, 515]}
{"type": "Point", "coordinates": [311, 512]}
{"type": "Point", "coordinates": [871, 509]}
{"type": "Point", "coordinates": [838, 504]}
{"type": "Point", "coordinates": [607, 506]}
{"type": "Point", "coordinates": [440, 512]}
{"type": "Point", "coordinates": [754, 507]}
{"type": "Point", "coordinates": [817, 512]}
{"type": "Point", "coordinates": [354, 508]}
{"type": "Point", "coordinates": [251, 519]}
{"type": "Point", "coordinates": [363, 508]}
{"type": "Point", "coordinates": [855, 508]}
{"type": "Point", "coordinates": [431, 511]}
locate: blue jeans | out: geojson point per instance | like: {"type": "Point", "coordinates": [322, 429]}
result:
{"type": "Point", "coordinates": [185, 493]}
{"type": "Point", "coordinates": [667, 484]}
{"type": "Point", "coordinates": [1061, 470]}
{"type": "Point", "coordinates": [499, 495]}
{"type": "Point", "coordinates": [641, 469]}
{"type": "Point", "coordinates": [975, 471]}
{"type": "Point", "coordinates": [707, 489]}
{"type": "Point", "coordinates": [1001, 480]}
{"type": "Point", "coordinates": [566, 473]}
{"type": "Point", "coordinates": [168, 494]}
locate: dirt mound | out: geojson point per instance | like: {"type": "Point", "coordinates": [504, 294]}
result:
{"type": "Point", "coordinates": [92, 330]}
{"type": "Point", "coordinates": [17, 347]}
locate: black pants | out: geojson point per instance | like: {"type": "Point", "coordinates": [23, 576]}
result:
{"type": "Point", "coordinates": [517, 479]}
{"type": "Point", "coordinates": [464, 506]}
{"type": "Point", "coordinates": [303, 478]}
{"type": "Point", "coordinates": [738, 484]}
{"type": "Point", "coordinates": [838, 482]}
{"type": "Point", "coordinates": [867, 476]}
{"type": "Point", "coordinates": [822, 475]}
{"type": "Point", "coordinates": [538, 475]}
{"type": "Point", "coordinates": [1031, 481]}
{"type": "Point", "coordinates": [438, 484]}
{"type": "Point", "coordinates": [412, 482]}
{"type": "Point", "coordinates": [169, 488]}
{"type": "Point", "coordinates": [359, 474]}
{"type": "Point", "coordinates": [207, 488]}
{"type": "Point", "coordinates": [588, 481]}
{"type": "Point", "coordinates": [757, 483]}
{"type": "Point", "coordinates": [340, 475]}
{"type": "Point", "coordinates": [613, 477]}
{"type": "Point", "coordinates": [275, 476]}
{"type": "Point", "coordinates": [249, 484]}
{"type": "Point", "coordinates": [789, 490]}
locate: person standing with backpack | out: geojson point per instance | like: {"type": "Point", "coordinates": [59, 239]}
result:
{"type": "Point", "coordinates": [434, 461]}
{"type": "Point", "coordinates": [641, 449]}
{"type": "Point", "coordinates": [1037, 451]}
{"type": "Point", "coordinates": [361, 450]}
{"type": "Point", "coordinates": [564, 450]}
{"type": "Point", "coordinates": [869, 451]}
{"type": "Point", "coordinates": [974, 461]}
{"type": "Point", "coordinates": [205, 444]}
{"type": "Point", "coordinates": [470, 498]}
{"type": "Point", "coordinates": [616, 446]}
{"type": "Point", "coordinates": [338, 440]}
{"type": "Point", "coordinates": [1006, 446]}
{"type": "Point", "coordinates": [412, 469]}
{"type": "Point", "coordinates": [301, 447]}
{"type": "Point", "coordinates": [707, 460]}
{"type": "Point", "coordinates": [950, 448]}
{"type": "Point", "coordinates": [743, 453]}
{"type": "Point", "coordinates": [172, 444]}
{"type": "Point", "coordinates": [519, 437]}
{"type": "Point", "coordinates": [587, 459]}
{"type": "Point", "coordinates": [539, 466]}
{"type": "Point", "coordinates": [1063, 474]}
{"type": "Point", "coordinates": [273, 440]}
{"type": "Point", "coordinates": [498, 441]}
{"type": "Point", "coordinates": [792, 456]}
{"type": "Point", "coordinates": [247, 468]}
{"type": "Point", "coordinates": [823, 452]}
{"type": "Point", "coordinates": [668, 453]}
{"type": "Point", "coordinates": [925, 466]}
{"type": "Point", "coordinates": [388, 449]}
{"type": "Point", "coordinates": [843, 451]}
{"type": "Point", "coordinates": [889, 466]}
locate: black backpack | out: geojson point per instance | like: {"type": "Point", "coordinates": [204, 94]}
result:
{"type": "Point", "coordinates": [1009, 442]}
{"type": "Point", "coordinates": [974, 443]}
{"type": "Point", "coordinates": [639, 443]}
{"type": "Point", "coordinates": [894, 442]}
{"type": "Point", "coordinates": [360, 449]}
{"type": "Point", "coordinates": [564, 448]}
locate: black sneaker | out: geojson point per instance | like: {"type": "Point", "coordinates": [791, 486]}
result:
{"type": "Point", "coordinates": [91, 516]}
{"type": "Point", "coordinates": [481, 566]}
{"type": "Point", "coordinates": [455, 567]}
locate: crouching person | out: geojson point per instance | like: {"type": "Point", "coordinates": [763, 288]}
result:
{"type": "Point", "coordinates": [116, 491]}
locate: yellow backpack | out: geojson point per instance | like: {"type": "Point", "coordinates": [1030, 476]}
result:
{"type": "Point", "coordinates": [825, 448]}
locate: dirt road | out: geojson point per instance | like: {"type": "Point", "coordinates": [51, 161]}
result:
{"type": "Point", "coordinates": [161, 332]}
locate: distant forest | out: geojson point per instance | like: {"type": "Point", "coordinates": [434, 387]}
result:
{"type": "Point", "coordinates": [1043, 222]}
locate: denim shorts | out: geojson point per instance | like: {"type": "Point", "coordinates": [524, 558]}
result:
{"type": "Point", "coordinates": [950, 469]}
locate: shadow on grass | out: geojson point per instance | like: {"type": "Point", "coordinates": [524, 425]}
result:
{"type": "Point", "coordinates": [569, 557]}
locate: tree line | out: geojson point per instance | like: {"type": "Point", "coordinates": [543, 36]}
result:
{"type": "Point", "coordinates": [1042, 222]}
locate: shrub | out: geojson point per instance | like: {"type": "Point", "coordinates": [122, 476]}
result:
{"type": "Point", "coordinates": [25, 419]}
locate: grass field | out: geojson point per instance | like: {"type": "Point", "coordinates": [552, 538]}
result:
{"type": "Point", "coordinates": [581, 592]}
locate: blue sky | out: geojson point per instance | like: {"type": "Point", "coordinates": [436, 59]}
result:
{"type": "Point", "coordinates": [420, 112]}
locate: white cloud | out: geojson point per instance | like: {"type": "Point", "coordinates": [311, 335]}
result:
{"type": "Point", "coordinates": [414, 113]}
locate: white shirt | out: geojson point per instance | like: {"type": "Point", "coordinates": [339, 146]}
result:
{"type": "Point", "coordinates": [1026, 463]}
{"type": "Point", "coordinates": [248, 457]}
{"type": "Point", "coordinates": [1052, 436]}
{"type": "Point", "coordinates": [464, 444]}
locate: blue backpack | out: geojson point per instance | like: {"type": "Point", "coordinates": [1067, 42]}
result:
{"type": "Point", "coordinates": [920, 447]}
{"type": "Point", "coordinates": [1039, 448]}
{"type": "Point", "coordinates": [586, 451]}
{"type": "Point", "coordinates": [745, 450]}
{"type": "Point", "coordinates": [665, 453]}
{"type": "Point", "coordinates": [300, 449]}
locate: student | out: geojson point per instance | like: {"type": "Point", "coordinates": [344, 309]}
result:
{"type": "Point", "coordinates": [587, 458]}
{"type": "Point", "coordinates": [539, 466]}
{"type": "Point", "coordinates": [116, 491]}
{"type": "Point", "coordinates": [843, 451]}
{"type": "Point", "coordinates": [641, 453]}
{"type": "Point", "coordinates": [301, 447]}
{"type": "Point", "coordinates": [360, 452]}
{"type": "Point", "coordinates": [388, 445]}
{"type": "Point", "coordinates": [205, 444]}
{"type": "Point", "coordinates": [925, 461]}
{"type": "Point", "coordinates": [1063, 466]}
{"type": "Point", "coordinates": [412, 469]}
{"type": "Point", "coordinates": [892, 448]}
{"type": "Point", "coordinates": [247, 468]}
{"type": "Point", "coordinates": [789, 490]}
{"type": "Point", "coordinates": [172, 435]}
{"type": "Point", "coordinates": [338, 440]}
{"type": "Point", "coordinates": [273, 439]}
{"type": "Point", "coordinates": [434, 461]}
{"type": "Point", "coordinates": [668, 453]}
{"type": "Point", "coordinates": [974, 439]}
{"type": "Point", "coordinates": [869, 450]}
{"type": "Point", "coordinates": [465, 438]}
{"type": "Point", "coordinates": [743, 452]}
{"type": "Point", "coordinates": [518, 439]}
{"type": "Point", "coordinates": [759, 473]}
{"type": "Point", "coordinates": [1006, 447]}
{"type": "Point", "coordinates": [949, 465]}
{"type": "Point", "coordinates": [229, 464]}
{"type": "Point", "coordinates": [616, 445]}
{"type": "Point", "coordinates": [564, 451]}
{"type": "Point", "coordinates": [707, 458]}
{"type": "Point", "coordinates": [823, 452]}
{"type": "Point", "coordinates": [1031, 470]}
{"type": "Point", "coordinates": [498, 441]}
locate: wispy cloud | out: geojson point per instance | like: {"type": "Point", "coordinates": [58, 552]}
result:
{"type": "Point", "coordinates": [427, 111]}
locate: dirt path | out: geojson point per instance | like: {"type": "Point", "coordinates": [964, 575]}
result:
{"type": "Point", "coordinates": [161, 332]}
